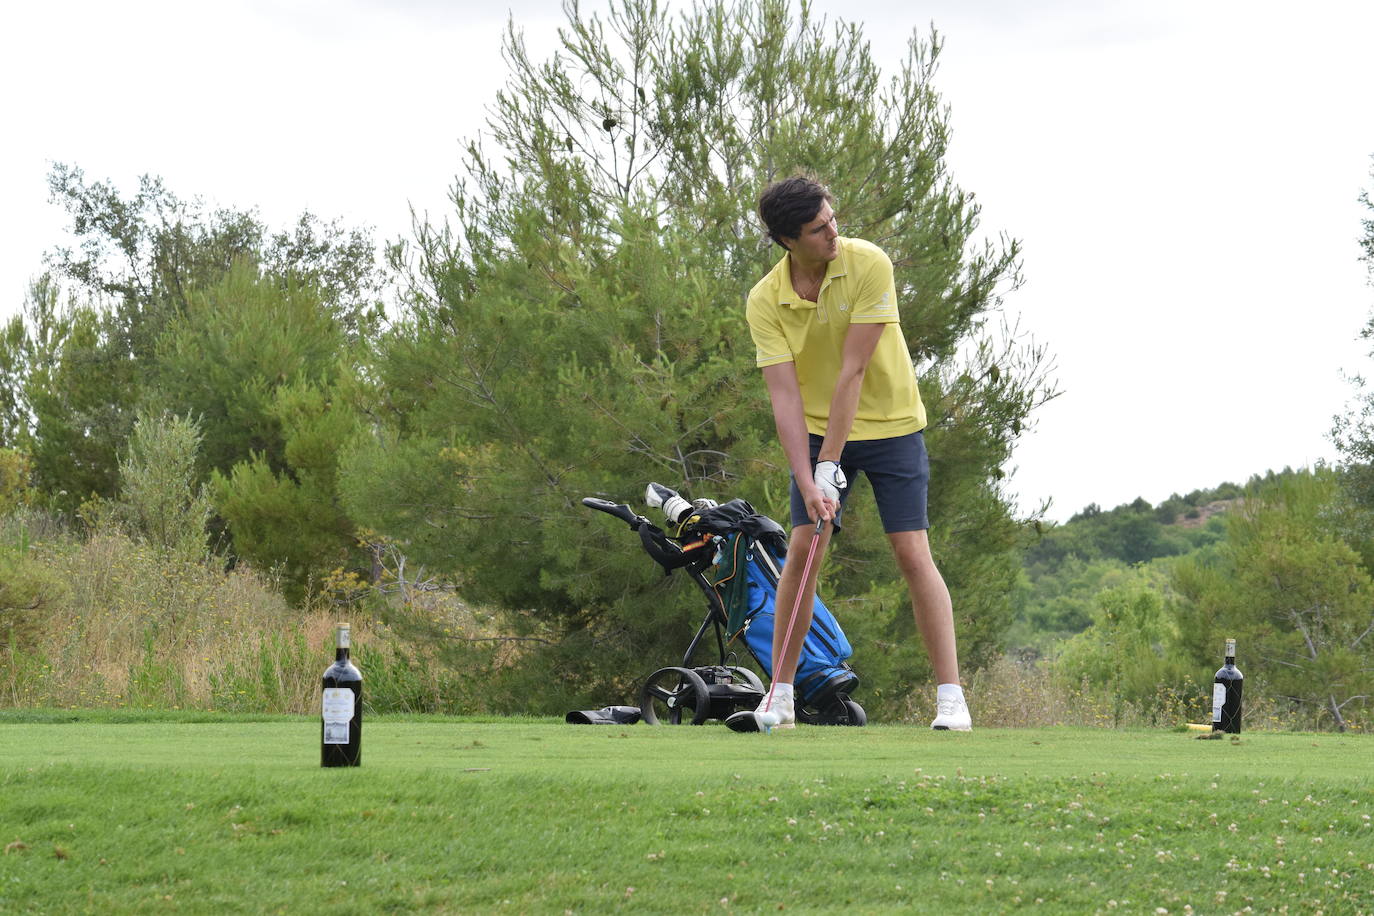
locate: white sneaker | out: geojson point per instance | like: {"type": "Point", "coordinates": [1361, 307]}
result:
{"type": "Point", "coordinates": [766, 717]}
{"type": "Point", "coordinates": [952, 716]}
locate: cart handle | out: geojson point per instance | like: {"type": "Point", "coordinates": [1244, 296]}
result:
{"type": "Point", "coordinates": [619, 510]}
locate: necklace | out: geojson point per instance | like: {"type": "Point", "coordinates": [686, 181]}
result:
{"type": "Point", "coordinates": [808, 289]}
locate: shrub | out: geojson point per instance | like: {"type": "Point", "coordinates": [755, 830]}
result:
{"type": "Point", "coordinates": [1126, 652]}
{"type": "Point", "coordinates": [15, 491]}
{"type": "Point", "coordinates": [118, 622]}
{"type": "Point", "coordinates": [27, 588]}
{"type": "Point", "coordinates": [160, 501]}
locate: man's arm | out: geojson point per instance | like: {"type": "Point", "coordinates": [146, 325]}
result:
{"type": "Point", "coordinates": [859, 343]}
{"type": "Point", "coordinates": [790, 418]}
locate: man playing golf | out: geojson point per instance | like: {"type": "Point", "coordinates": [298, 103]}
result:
{"type": "Point", "coordinates": [825, 324]}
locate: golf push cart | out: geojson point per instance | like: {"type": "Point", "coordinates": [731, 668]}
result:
{"type": "Point", "coordinates": [734, 555]}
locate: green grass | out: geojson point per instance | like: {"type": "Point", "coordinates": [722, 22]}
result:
{"type": "Point", "coordinates": [159, 814]}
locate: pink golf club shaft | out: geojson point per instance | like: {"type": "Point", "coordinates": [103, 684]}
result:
{"type": "Point", "coordinates": [796, 606]}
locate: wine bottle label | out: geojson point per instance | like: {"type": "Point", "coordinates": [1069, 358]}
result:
{"type": "Point", "coordinates": [337, 711]}
{"type": "Point", "coordinates": [1218, 700]}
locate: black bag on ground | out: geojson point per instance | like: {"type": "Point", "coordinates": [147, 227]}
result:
{"type": "Point", "coordinates": [606, 715]}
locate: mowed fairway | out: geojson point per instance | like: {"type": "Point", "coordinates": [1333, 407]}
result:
{"type": "Point", "coordinates": [538, 816]}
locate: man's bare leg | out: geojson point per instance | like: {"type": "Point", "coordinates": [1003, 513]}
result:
{"type": "Point", "coordinates": [777, 710]}
{"type": "Point", "coordinates": [785, 667]}
{"type": "Point", "coordinates": [930, 602]}
{"type": "Point", "coordinates": [934, 613]}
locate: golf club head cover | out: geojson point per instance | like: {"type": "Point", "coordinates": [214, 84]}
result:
{"type": "Point", "coordinates": [830, 479]}
{"type": "Point", "coordinates": [656, 494]}
{"type": "Point", "coordinates": [675, 508]}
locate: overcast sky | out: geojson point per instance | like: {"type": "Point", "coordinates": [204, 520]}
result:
{"type": "Point", "coordinates": [1184, 177]}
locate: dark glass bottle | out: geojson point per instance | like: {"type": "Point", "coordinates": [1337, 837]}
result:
{"type": "Point", "coordinates": [1226, 690]}
{"type": "Point", "coordinates": [341, 709]}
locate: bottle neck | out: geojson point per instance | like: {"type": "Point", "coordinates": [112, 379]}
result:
{"type": "Point", "coordinates": [343, 638]}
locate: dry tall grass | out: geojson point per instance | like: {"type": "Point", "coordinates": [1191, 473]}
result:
{"type": "Point", "coordinates": [130, 626]}
{"type": "Point", "coordinates": [1013, 693]}
{"type": "Point", "coordinates": [120, 623]}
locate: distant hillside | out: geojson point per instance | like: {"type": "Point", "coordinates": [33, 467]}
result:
{"type": "Point", "coordinates": [1098, 549]}
{"type": "Point", "coordinates": [1138, 532]}
{"type": "Point", "coordinates": [1198, 516]}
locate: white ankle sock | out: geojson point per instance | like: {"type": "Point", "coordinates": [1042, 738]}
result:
{"type": "Point", "coordinates": [782, 690]}
{"type": "Point", "coordinates": [949, 692]}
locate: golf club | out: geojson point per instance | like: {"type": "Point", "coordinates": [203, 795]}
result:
{"type": "Point", "coordinates": [796, 605]}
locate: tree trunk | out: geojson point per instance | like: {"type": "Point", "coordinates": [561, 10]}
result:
{"type": "Point", "coordinates": [1336, 712]}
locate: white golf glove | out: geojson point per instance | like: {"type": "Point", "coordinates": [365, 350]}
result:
{"type": "Point", "coordinates": [830, 480]}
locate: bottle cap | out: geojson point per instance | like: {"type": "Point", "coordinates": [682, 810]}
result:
{"type": "Point", "coordinates": [343, 635]}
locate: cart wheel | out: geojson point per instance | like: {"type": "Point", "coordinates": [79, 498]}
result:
{"type": "Point", "coordinates": [746, 676]}
{"type": "Point", "coordinates": [670, 693]}
{"type": "Point", "coordinates": [854, 712]}
{"type": "Point", "coordinates": [841, 711]}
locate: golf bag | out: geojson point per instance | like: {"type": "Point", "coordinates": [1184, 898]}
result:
{"type": "Point", "coordinates": [735, 555]}
{"type": "Point", "coordinates": [821, 667]}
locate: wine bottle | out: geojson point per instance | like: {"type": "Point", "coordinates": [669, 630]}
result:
{"type": "Point", "coordinates": [341, 709]}
{"type": "Point", "coordinates": [1226, 690]}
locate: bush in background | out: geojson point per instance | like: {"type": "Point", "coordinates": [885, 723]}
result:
{"type": "Point", "coordinates": [116, 622]}
{"type": "Point", "coordinates": [160, 500]}
{"type": "Point", "coordinates": [15, 490]}
{"type": "Point", "coordinates": [1014, 692]}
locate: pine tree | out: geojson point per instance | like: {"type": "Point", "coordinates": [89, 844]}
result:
{"type": "Point", "coordinates": [577, 327]}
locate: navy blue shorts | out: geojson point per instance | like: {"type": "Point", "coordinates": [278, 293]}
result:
{"type": "Point", "coordinates": [897, 469]}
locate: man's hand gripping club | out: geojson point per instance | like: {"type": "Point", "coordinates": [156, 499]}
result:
{"type": "Point", "coordinates": [830, 480]}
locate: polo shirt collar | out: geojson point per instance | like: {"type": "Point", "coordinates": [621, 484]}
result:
{"type": "Point", "coordinates": [787, 296]}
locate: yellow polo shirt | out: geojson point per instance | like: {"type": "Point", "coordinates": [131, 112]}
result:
{"type": "Point", "coordinates": [858, 289]}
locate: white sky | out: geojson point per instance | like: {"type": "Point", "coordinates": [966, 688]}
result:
{"type": "Point", "coordinates": [1184, 175]}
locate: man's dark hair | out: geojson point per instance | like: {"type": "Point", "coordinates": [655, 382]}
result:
{"type": "Point", "coordinates": [785, 206]}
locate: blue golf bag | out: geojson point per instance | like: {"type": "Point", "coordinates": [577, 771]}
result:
{"type": "Point", "coordinates": [821, 668]}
